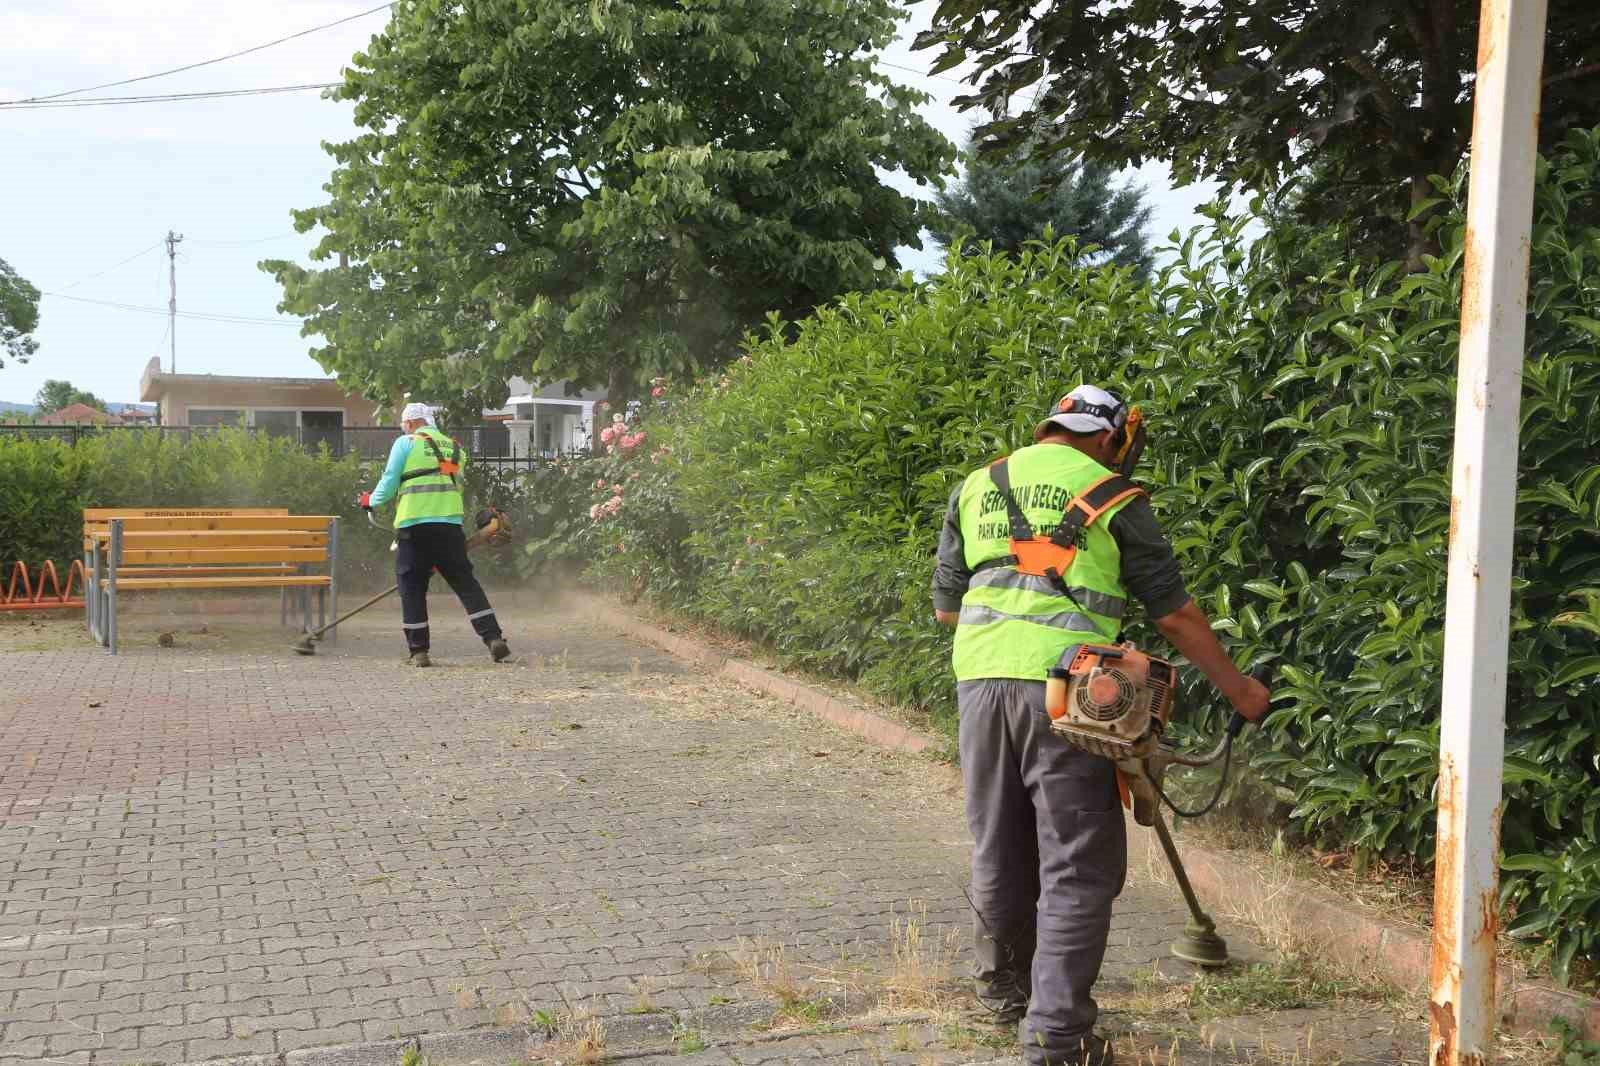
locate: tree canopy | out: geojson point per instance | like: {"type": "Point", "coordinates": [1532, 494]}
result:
{"type": "Point", "coordinates": [1365, 98]}
{"type": "Point", "coordinates": [1010, 202]}
{"type": "Point", "coordinates": [53, 395]}
{"type": "Point", "coordinates": [600, 192]}
{"type": "Point", "coordinates": [19, 315]}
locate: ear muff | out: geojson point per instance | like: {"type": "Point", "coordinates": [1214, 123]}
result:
{"type": "Point", "coordinates": [1131, 445]}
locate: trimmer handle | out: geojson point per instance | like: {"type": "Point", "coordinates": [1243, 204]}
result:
{"type": "Point", "coordinates": [1263, 674]}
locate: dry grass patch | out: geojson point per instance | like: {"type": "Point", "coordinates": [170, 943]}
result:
{"type": "Point", "coordinates": [766, 967]}
{"type": "Point", "coordinates": [572, 1038]}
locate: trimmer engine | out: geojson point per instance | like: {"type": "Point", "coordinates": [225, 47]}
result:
{"type": "Point", "coordinates": [1113, 700]}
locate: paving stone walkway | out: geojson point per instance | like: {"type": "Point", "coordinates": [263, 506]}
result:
{"type": "Point", "coordinates": [221, 849]}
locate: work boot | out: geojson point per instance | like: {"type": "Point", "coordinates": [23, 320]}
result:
{"type": "Point", "coordinates": [1094, 1050]}
{"type": "Point", "coordinates": [499, 651]}
{"type": "Point", "coordinates": [1002, 1001]}
{"type": "Point", "coordinates": [420, 659]}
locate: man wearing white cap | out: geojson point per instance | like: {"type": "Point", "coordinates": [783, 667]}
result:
{"type": "Point", "coordinates": [1049, 844]}
{"type": "Point", "coordinates": [424, 472]}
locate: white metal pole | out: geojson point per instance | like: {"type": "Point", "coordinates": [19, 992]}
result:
{"type": "Point", "coordinates": [1494, 302]}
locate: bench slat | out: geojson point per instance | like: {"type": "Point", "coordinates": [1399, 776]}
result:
{"type": "Point", "coordinates": [102, 514]}
{"type": "Point", "coordinates": [260, 538]}
{"type": "Point", "coordinates": [287, 580]}
{"type": "Point", "coordinates": [151, 525]}
{"type": "Point", "coordinates": [135, 556]}
{"type": "Point", "coordinates": [224, 571]}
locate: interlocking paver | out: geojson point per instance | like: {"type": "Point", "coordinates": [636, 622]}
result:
{"type": "Point", "coordinates": [244, 851]}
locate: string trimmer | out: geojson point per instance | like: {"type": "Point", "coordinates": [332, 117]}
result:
{"type": "Point", "coordinates": [1115, 701]}
{"type": "Point", "coordinates": [493, 528]}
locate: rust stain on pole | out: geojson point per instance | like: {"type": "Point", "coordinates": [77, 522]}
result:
{"type": "Point", "coordinates": [1446, 979]}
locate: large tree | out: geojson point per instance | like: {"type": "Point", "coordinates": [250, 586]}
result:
{"type": "Point", "coordinates": [19, 315]}
{"type": "Point", "coordinates": [1365, 98]}
{"type": "Point", "coordinates": [603, 191]}
{"type": "Point", "coordinates": [53, 395]}
{"type": "Point", "coordinates": [1010, 202]}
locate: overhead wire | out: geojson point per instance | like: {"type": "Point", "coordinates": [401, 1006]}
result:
{"type": "Point", "coordinates": [202, 63]}
{"type": "Point", "coordinates": [161, 98]}
{"type": "Point", "coordinates": [203, 316]}
{"type": "Point", "coordinates": [113, 266]}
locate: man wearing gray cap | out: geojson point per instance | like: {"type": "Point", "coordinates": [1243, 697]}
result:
{"type": "Point", "coordinates": [1049, 843]}
{"type": "Point", "coordinates": [424, 472]}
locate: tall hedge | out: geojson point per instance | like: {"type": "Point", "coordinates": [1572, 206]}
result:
{"type": "Point", "coordinates": [1302, 414]}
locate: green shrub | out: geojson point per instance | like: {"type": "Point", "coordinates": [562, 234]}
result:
{"type": "Point", "coordinates": [1302, 416]}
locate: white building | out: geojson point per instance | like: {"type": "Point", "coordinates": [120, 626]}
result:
{"type": "Point", "coordinates": [546, 421]}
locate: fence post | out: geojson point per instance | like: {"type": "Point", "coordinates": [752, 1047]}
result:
{"type": "Point", "coordinates": [1483, 502]}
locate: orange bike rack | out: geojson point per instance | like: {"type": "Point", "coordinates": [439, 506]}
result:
{"type": "Point", "coordinates": [35, 597]}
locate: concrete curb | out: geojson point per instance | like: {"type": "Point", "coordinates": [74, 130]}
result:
{"type": "Point", "coordinates": [1356, 939]}
{"type": "Point", "coordinates": [628, 1036]}
{"type": "Point", "coordinates": [846, 715]}
{"type": "Point", "coordinates": [1402, 954]}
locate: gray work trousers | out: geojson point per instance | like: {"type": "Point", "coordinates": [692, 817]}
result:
{"type": "Point", "coordinates": [1050, 853]}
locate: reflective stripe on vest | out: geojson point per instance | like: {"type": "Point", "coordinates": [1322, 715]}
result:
{"type": "Point", "coordinates": [406, 490]}
{"type": "Point", "coordinates": [1015, 625]}
{"type": "Point", "coordinates": [1007, 577]}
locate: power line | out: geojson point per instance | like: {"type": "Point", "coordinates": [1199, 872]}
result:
{"type": "Point", "coordinates": [113, 266]}
{"type": "Point", "coordinates": [203, 63]}
{"type": "Point", "coordinates": [920, 73]}
{"type": "Point", "coordinates": [204, 316]}
{"type": "Point", "coordinates": [106, 101]}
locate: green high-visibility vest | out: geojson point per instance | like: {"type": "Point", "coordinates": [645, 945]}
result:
{"type": "Point", "coordinates": [427, 494]}
{"type": "Point", "coordinates": [1016, 625]}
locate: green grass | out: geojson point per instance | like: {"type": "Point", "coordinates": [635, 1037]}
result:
{"type": "Point", "coordinates": [1284, 985]}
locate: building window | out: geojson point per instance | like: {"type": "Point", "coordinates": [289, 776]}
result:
{"type": "Point", "coordinates": [216, 416]}
{"type": "Point", "coordinates": [276, 423]}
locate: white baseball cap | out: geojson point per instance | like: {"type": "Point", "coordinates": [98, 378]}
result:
{"type": "Point", "coordinates": [416, 411]}
{"type": "Point", "coordinates": [1086, 409]}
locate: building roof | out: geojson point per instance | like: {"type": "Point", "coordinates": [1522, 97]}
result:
{"type": "Point", "coordinates": [78, 413]}
{"type": "Point", "coordinates": [154, 383]}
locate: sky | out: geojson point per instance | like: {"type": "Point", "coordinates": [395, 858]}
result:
{"type": "Point", "coordinates": [88, 194]}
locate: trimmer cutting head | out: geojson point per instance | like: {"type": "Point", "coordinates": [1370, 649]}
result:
{"type": "Point", "coordinates": [304, 646]}
{"type": "Point", "coordinates": [1201, 945]}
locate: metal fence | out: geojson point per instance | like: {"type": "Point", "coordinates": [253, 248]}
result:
{"type": "Point", "coordinates": [489, 443]}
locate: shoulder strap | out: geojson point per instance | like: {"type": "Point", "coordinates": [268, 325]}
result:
{"type": "Point", "coordinates": [1086, 508]}
{"type": "Point", "coordinates": [1021, 528]}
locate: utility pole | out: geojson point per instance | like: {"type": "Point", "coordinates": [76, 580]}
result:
{"type": "Point", "coordinates": [173, 240]}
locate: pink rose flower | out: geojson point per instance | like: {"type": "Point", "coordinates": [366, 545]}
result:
{"type": "Point", "coordinates": [659, 391]}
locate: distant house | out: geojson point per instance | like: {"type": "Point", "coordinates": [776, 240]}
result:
{"type": "Point", "coordinates": [78, 414]}
{"type": "Point", "coordinates": [134, 414]}
{"type": "Point", "coordinates": [533, 422]}
{"type": "Point", "coordinates": [311, 409]}
{"type": "Point", "coordinates": [547, 421]}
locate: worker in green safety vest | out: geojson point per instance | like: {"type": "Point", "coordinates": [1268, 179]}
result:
{"type": "Point", "coordinates": [1050, 847]}
{"type": "Point", "coordinates": [424, 474]}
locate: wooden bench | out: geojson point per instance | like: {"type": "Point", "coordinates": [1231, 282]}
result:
{"type": "Point", "coordinates": [150, 549]}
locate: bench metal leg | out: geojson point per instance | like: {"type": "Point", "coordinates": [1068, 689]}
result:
{"type": "Point", "coordinates": [333, 578]}
{"type": "Point", "coordinates": [113, 563]}
{"type": "Point", "coordinates": [322, 606]}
